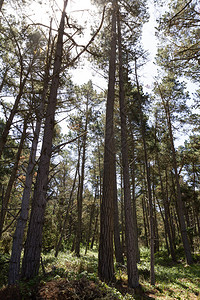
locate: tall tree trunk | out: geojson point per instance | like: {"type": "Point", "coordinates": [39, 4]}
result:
{"type": "Point", "coordinates": [163, 218]}
{"type": "Point", "coordinates": [132, 156]}
{"type": "Point", "coordinates": [80, 190]}
{"type": "Point", "coordinates": [196, 216]}
{"type": "Point", "coordinates": [105, 262]}
{"type": "Point", "coordinates": [32, 251]}
{"type": "Point", "coordinates": [130, 231]}
{"type": "Point", "coordinates": [118, 246]}
{"type": "Point", "coordinates": [170, 211]}
{"type": "Point", "coordinates": [180, 210]}
{"type": "Point", "coordinates": [6, 198]}
{"type": "Point", "coordinates": [166, 212]}
{"type": "Point", "coordinates": [152, 234]}
{"type": "Point", "coordinates": [156, 243]}
{"type": "Point", "coordinates": [14, 266]}
{"type": "Point", "coordinates": [145, 221]}
{"type": "Point", "coordinates": [122, 213]}
{"type": "Point", "coordinates": [100, 197]}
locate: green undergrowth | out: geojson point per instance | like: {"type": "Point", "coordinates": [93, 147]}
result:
{"type": "Point", "coordinates": [173, 280]}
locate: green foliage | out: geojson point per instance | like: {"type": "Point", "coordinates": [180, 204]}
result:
{"type": "Point", "coordinates": [4, 263]}
{"type": "Point", "coordinates": [179, 30]}
{"type": "Point", "coordinates": [173, 281]}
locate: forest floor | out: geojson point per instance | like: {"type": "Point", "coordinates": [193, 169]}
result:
{"type": "Point", "coordinates": [69, 277]}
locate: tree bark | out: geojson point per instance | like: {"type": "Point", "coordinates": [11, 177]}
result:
{"type": "Point", "coordinates": [105, 261]}
{"type": "Point", "coordinates": [145, 221]}
{"type": "Point", "coordinates": [166, 212]}
{"type": "Point", "coordinates": [152, 234]}
{"type": "Point", "coordinates": [118, 246]}
{"type": "Point", "coordinates": [130, 231]}
{"type": "Point", "coordinates": [92, 211]}
{"type": "Point", "coordinates": [14, 266]}
{"type": "Point", "coordinates": [80, 189]}
{"type": "Point", "coordinates": [132, 156]}
{"type": "Point", "coordinates": [32, 251]}
{"type": "Point", "coordinates": [180, 210]}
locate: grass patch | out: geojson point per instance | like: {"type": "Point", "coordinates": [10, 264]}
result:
{"type": "Point", "coordinates": [173, 280]}
{"type": "Point", "coordinates": [69, 276]}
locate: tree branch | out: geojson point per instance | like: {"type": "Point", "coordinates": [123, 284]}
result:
{"type": "Point", "coordinates": [58, 147]}
{"type": "Point", "coordinates": [179, 12]}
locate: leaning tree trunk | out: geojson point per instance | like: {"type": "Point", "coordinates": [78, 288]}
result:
{"type": "Point", "coordinates": [130, 231]}
{"type": "Point", "coordinates": [6, 198]}
{"type": "Point", "coordinates": [105, 260]}
{"type": "Point", "coordinates": [14, 266]}
{"type": "Point", "coordinates": [32, 251]}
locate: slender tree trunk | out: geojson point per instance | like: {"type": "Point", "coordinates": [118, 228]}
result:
{"type": "Point", "coordinates": [195, 206]}
{"type": "Point", "coordinates": [130, 231]}
{"type": "Point", "coordinates": [92, 210]}
{"type": "Point", "coordinates": [180, 210]}
{"type": "Point", "coordinates": [32, 251]}
{"type": "Point", "coordinates": [6, 198]}
{"type": "Point", "coordinates": [122, 214]}
{"type": "Point", "coordinates": [100, 197]}
{"type": "Point", "coordinates": [163, 218]}
{"type": "Point", "coordinates": [169, 211]}
{"type": "Point", "coordinates": [118, 246]}
{"type": "Point", "coordinates": [68, 210]}
{"type": "Point", "coordinates": [145, 221]}
{"type": "Point", "coordinates": [166, 212]}
{"type": "Point", "coordinates": [106, 262]}
{"type": "Point", "coordinates": [95, 230]}
{"type": "Point", "coordinates": [14, 266]}
{"type": "Point", "coordinates": [80, 190]}
{"type": "Point", "coordinates": [156, 243]}
{"type": "Point", "coordinates": [133, 192]}
{"type": "Point", "coordinates": [152, 234]}
{"type": "Point", "coordinates": [8, 124]}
